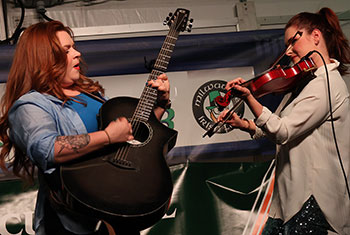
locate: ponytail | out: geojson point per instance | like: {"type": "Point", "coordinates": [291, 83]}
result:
{"type": "Point", "coordinates": [327, 22]}
{"type": "Point", "coordinates": [337, 44]}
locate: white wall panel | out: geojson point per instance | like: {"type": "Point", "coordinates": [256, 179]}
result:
{"type": "Point", "coordinates": [106, 19]}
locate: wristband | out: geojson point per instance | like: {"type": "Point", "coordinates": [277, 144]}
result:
{"type": "Point", "coordinates": [109, 138]}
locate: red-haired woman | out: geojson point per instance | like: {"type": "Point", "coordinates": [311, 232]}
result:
{"type": "Point", "coordinates": [45, 125]}
{"type": "Point", "coordinates": [310, 192]}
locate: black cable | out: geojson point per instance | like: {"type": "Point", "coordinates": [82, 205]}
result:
{"type": "Point", "coordinates": [40, 9]}
{"type": "Point", "coordinates": [19, 28]}
{"type": "Point", "coordinates": [45, 16]}
{"type": "Point", "coordinates": [332, 122]}
{"type": "Point", "coordinates": [4, 11]}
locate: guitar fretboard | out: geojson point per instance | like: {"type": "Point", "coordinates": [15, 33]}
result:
{"type": "Point", "coordinates": [149, 94]}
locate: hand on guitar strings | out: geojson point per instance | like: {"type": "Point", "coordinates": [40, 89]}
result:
{"type": "Point", "coordinates": [119, 131]}
{"type": "Point", "coordinates": [163, 86]}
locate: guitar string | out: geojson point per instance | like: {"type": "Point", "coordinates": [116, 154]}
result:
{"type": "Point", "coordinates": [151, 92]}
{"type": "Point", "coordinates": [148, 92]}
{"type": "Point", "coordinates": [166, 51]}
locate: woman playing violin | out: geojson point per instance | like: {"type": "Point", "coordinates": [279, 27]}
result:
{"type": "Point", "coordinates": [310, 192]}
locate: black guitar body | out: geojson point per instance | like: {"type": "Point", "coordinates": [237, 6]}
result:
{"type": "Point", "coordinates": [129, 191]}
{"type": "Point", "coordinates": [129, 185]}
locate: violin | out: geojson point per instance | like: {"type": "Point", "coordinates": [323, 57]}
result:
{"type": "Point", "coordinates": [273, 81]}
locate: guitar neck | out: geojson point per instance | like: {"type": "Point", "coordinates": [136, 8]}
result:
{"type": "Point", "coordinates": [149, 94]}
{"type": "Point", "coordinates": [177, 23]}
{"type": "Point", "coordinates": [161, 64]}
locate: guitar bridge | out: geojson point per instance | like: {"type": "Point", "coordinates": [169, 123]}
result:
{"type": "Point", "coordinates": [120, 163]}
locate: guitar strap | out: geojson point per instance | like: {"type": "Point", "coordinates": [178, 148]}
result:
{"type": "Point", "coordinates": [96, 95]}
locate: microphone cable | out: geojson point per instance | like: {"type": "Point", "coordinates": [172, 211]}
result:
{"type": "Point", "coordinates": [40, 9]}
{"type": "Point", "coordinates": [331, 115]}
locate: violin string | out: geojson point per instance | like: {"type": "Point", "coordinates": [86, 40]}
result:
{"type": "Point", "coordinates": [217, 126]}
{"type": "Point", "coordinates": [290, 45]}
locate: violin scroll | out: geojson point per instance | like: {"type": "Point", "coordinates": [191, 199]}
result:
{"type": "Point", "coordinates": [223, 101]}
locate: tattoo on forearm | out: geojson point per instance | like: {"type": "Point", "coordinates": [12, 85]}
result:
{"type": "Point", "coordinates": [73, 142]}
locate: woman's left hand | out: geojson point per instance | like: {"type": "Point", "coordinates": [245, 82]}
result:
{"type": "Point", "coordinates": [163, 87]}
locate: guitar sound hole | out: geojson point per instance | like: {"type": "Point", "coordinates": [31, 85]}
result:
{"type": "Point", "coordinates": [142, 132]}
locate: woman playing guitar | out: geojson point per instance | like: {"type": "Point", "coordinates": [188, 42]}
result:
{"type": "Point", "coordinates": [49, 118]}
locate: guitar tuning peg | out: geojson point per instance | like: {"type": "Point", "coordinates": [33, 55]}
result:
{"type": "Point", "coordinates": [166, 21]}
{"type": "Point", "coordinates": [170, 14]}
{"type": "Point", "coordinates": [191, 20]}
{"type": "Point", "coordinates": [189, 27]}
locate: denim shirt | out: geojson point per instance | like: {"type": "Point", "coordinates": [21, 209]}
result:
{"type": "Point", "coordinates": [35, 121]}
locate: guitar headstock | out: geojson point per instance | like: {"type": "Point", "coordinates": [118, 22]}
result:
{"type": "Point", "coordinates": [179, 20]}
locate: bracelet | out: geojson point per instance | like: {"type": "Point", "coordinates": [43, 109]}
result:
{"type": "Point", "coordinates": [250, 131]}
{"type": "Point", "coordinates": [164, 105]}
{"type": "Point", "coordinates": [109, 138]}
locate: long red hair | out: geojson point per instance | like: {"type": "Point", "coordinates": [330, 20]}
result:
{"type": "Point", "coordinates": [39, 64]}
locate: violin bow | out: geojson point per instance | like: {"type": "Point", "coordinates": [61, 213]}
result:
{"type": "Point", "coordinates": [290, 44]}
{"type": "Point", "coordinates": [217, 126]}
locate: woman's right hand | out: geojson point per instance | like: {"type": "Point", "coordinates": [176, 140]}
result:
{"type": "Point", "coordinates": [234, 120]}
{"type": "Point", "coordinates": [237, 122]}
{"type": "Point", "coordinates": [119, 131]}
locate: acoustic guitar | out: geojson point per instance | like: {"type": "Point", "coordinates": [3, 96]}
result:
{"type": "Point", "coordinates": [129, 184]}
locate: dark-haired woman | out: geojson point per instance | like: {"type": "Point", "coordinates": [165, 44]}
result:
{"type": "Point", "coordinates": [310, 192]}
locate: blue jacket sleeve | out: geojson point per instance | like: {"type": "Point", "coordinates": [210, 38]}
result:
{"type": "Point", "coordinates": [34, 130]}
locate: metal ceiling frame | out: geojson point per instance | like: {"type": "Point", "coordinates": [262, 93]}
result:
{"type": "Point", "coordinates": [243, 18]}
